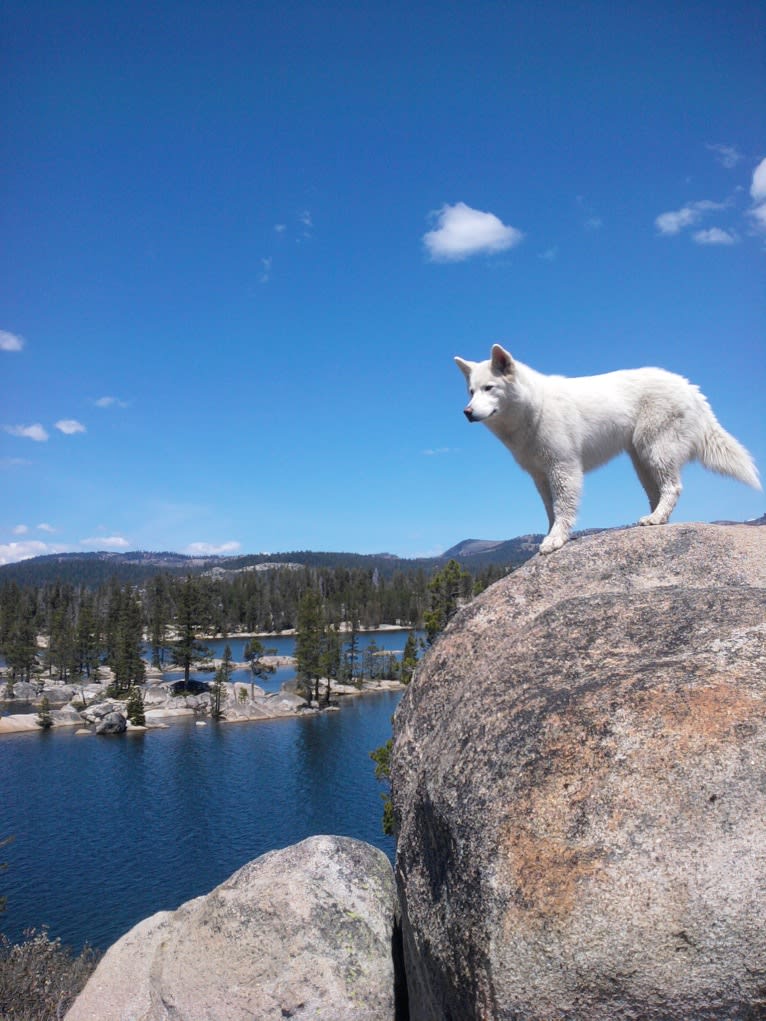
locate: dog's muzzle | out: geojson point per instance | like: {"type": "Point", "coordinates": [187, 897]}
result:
{"type": "Point", "coordinates": [469, 414]}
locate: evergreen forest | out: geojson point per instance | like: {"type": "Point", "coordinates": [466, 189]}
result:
{"type": "Point", "coordinates": [83, 626]}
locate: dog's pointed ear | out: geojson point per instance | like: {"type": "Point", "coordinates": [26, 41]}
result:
{"type": "Point", "coordinates": [502, 362]}
{"type": "Point", "coordinates": [464, 366]}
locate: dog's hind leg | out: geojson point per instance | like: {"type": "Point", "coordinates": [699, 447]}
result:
{"type": "Point", "coordinates": [670, 490]}
{"type": "Point", "coordinates": [661, 451]}
{"type": "Point", "coordinates": [565, 484]}
{"type": "Point", "coordinates": [668, 485]}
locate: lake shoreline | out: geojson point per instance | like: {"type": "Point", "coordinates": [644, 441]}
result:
{"type": "Point", "coordinates": [285, 704]}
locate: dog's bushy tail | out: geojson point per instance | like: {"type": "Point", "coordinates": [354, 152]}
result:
{"type": "Point", "coordinates": [722, 453]}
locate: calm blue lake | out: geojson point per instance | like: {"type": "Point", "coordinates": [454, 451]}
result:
{"type": "Point", "coordinates": [111, 829]}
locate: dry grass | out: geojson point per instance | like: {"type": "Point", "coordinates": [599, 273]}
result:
{"type": "Point", "coordinates": [40, 977]}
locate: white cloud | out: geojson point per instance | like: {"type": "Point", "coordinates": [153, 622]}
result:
{"type": "Point", "coordinates": [10, 341]}
{"type": "Point", "coordinates": [20, 529]}
{"type": "Point", "coordinates": [265, 271]}
{"type": "Point", "coordinates": [550, 254]}
{"type": "Point", "coordinates": [12, 462]}
{"type": "Point", "coordinates": [687, 216]}
{"type": "Point", "coordinates": [593, 223]}
{"type": "Point", "coordinates": [106, 542]}
{"type": "Point", "coordinates": [280, 228]}
{"type": "Point", "coordinates": [208, 549]}
{"type": "Point", "coordinates": [70, 426]}
{"type": "Point", "coordinates": [462, 232]}
{"type": "Point", "coordinates": [437, 451]}
{"type": "Point", "coordinates": [758, 214]}
{"type": "Point", "coordinates": [715, 236]}
{"type": "Point", "coordinates": [30, 432]}
{"type": "Point", "coordinates": [758, 195]}
{"type": "Point", "coordinates": [758, 187]}
{"type": "Point", "coordinates": [727, 155]}
{"type": "Point", "coordinates": [12, 552]}
{"type": "Point", "coordinates": [45, 527]}
{"type": "Point", "coordinates": [110, 402]}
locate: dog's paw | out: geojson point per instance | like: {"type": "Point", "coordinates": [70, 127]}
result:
{"type": "Point", "coordinates": [551, 543]}
{"type": "Point", "coordinates": [649, 519]}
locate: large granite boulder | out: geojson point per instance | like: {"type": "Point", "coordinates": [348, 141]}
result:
{"type": "Point", "coordinates": [302, 933]}
{"type": "Point", "coordinates": [579, 775]}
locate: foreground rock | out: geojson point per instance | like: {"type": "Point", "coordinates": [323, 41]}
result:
{"type": "Point", "coordinates": [304, 933]}
{"type": "Point", "coordinates": [579, 772]}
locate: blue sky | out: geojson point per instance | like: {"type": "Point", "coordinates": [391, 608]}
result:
{"type": "Point", "coordinates": [242, 242]}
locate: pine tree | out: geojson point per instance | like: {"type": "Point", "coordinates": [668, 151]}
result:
{"type": "Point", "coordinates": [88, 637]}
{"type": "Point", "coordinates": [159, 612]}
{"type": "Point", "coordinates": [330, 658]}
{"type": "Point", "coordinates": [191, 618]}
{"type": "Point", "coordinates": [309, 643]}
{"type": "Point", "coordinates": [382, 759]}
{"type": "Point", "coordinates": [409, 658]}
{"type": "Point", "coordinates": [127, 662]}
{"type": "Point", "coordinates": [135, 707]}
{"type": "Point", "coordinates": [352, 646]}
{"type": "Point", "coordinates": [254, 653]}
{"type": "Point", "coordinates": [44, 718]}
{"type": "Point", "coordinates": [219, 688]}
{"type": "Point", "coordinates": [446, 589]}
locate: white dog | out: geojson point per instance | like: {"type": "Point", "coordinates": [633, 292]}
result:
{"type": "Point", "coordinates": [559, 428]}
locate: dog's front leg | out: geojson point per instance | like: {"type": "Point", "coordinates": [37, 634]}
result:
{"type": "Point", "coordinates": [565, 484]}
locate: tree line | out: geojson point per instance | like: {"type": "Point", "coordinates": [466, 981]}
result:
{"type": "Point", "coordinates": [83, 627]}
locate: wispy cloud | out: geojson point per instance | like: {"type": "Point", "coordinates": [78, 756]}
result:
{"type": "Point", "coordinates": [438, 451]}
{"type": "Point", "coordinates": [106, 542]}
{"type": "Point", "coordinates": [209, 549]}
{"type": "Point", "coordinates": [34, 432]}
{"type": "Point", "coordinates": [70, 426]}
{"type": "Point", "coordinates": [7, 463]}
{"type": "Point", "coordinates": [20, 529]}
{"type": "Point", "coordinates": [592, 221]}
{"type": "Point", "coordinates": [674, 222]}
{"type": "Point", "coordinates": [45, 527]}
{"type": "Point", "coordinates": [727, 155]}
{"type": "Point", "coordinates": [265, 275]}
{"type": "Point", "coordinates": [111, 402]}
{"type": "Point", "coordinates": [715, 236]}
{"type": "Point", "coordinates": [550, 254]}
{"type": "Point", "coordinates": [10, 341]}
{"type": "Point", "coordinates": [462, 232]}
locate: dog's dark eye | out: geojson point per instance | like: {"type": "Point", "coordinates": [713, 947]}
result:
{"type": "Point", "coordinates": [488, 387]}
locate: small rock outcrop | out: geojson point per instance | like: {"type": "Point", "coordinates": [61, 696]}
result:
{"type": "Point", "coordinates": [579, 775]}
{"type": "Point", "coordinates": [112, 723]}
{"type": "Point", "coordinates": [301, 933]}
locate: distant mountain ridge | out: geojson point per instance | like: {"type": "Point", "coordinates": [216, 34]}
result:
{"type": "Point", "coordinates": [138, 566]}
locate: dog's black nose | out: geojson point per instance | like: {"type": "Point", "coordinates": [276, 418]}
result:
{"type": "Point", "coordinates": [468, 414]}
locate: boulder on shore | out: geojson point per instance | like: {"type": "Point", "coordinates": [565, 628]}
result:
{"type": "Point", "coordinates": [305, 932]}
{"type": "Point", "coordinates": [112, 723]}
{"type": "Point", "coordinates": [579, 776]}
